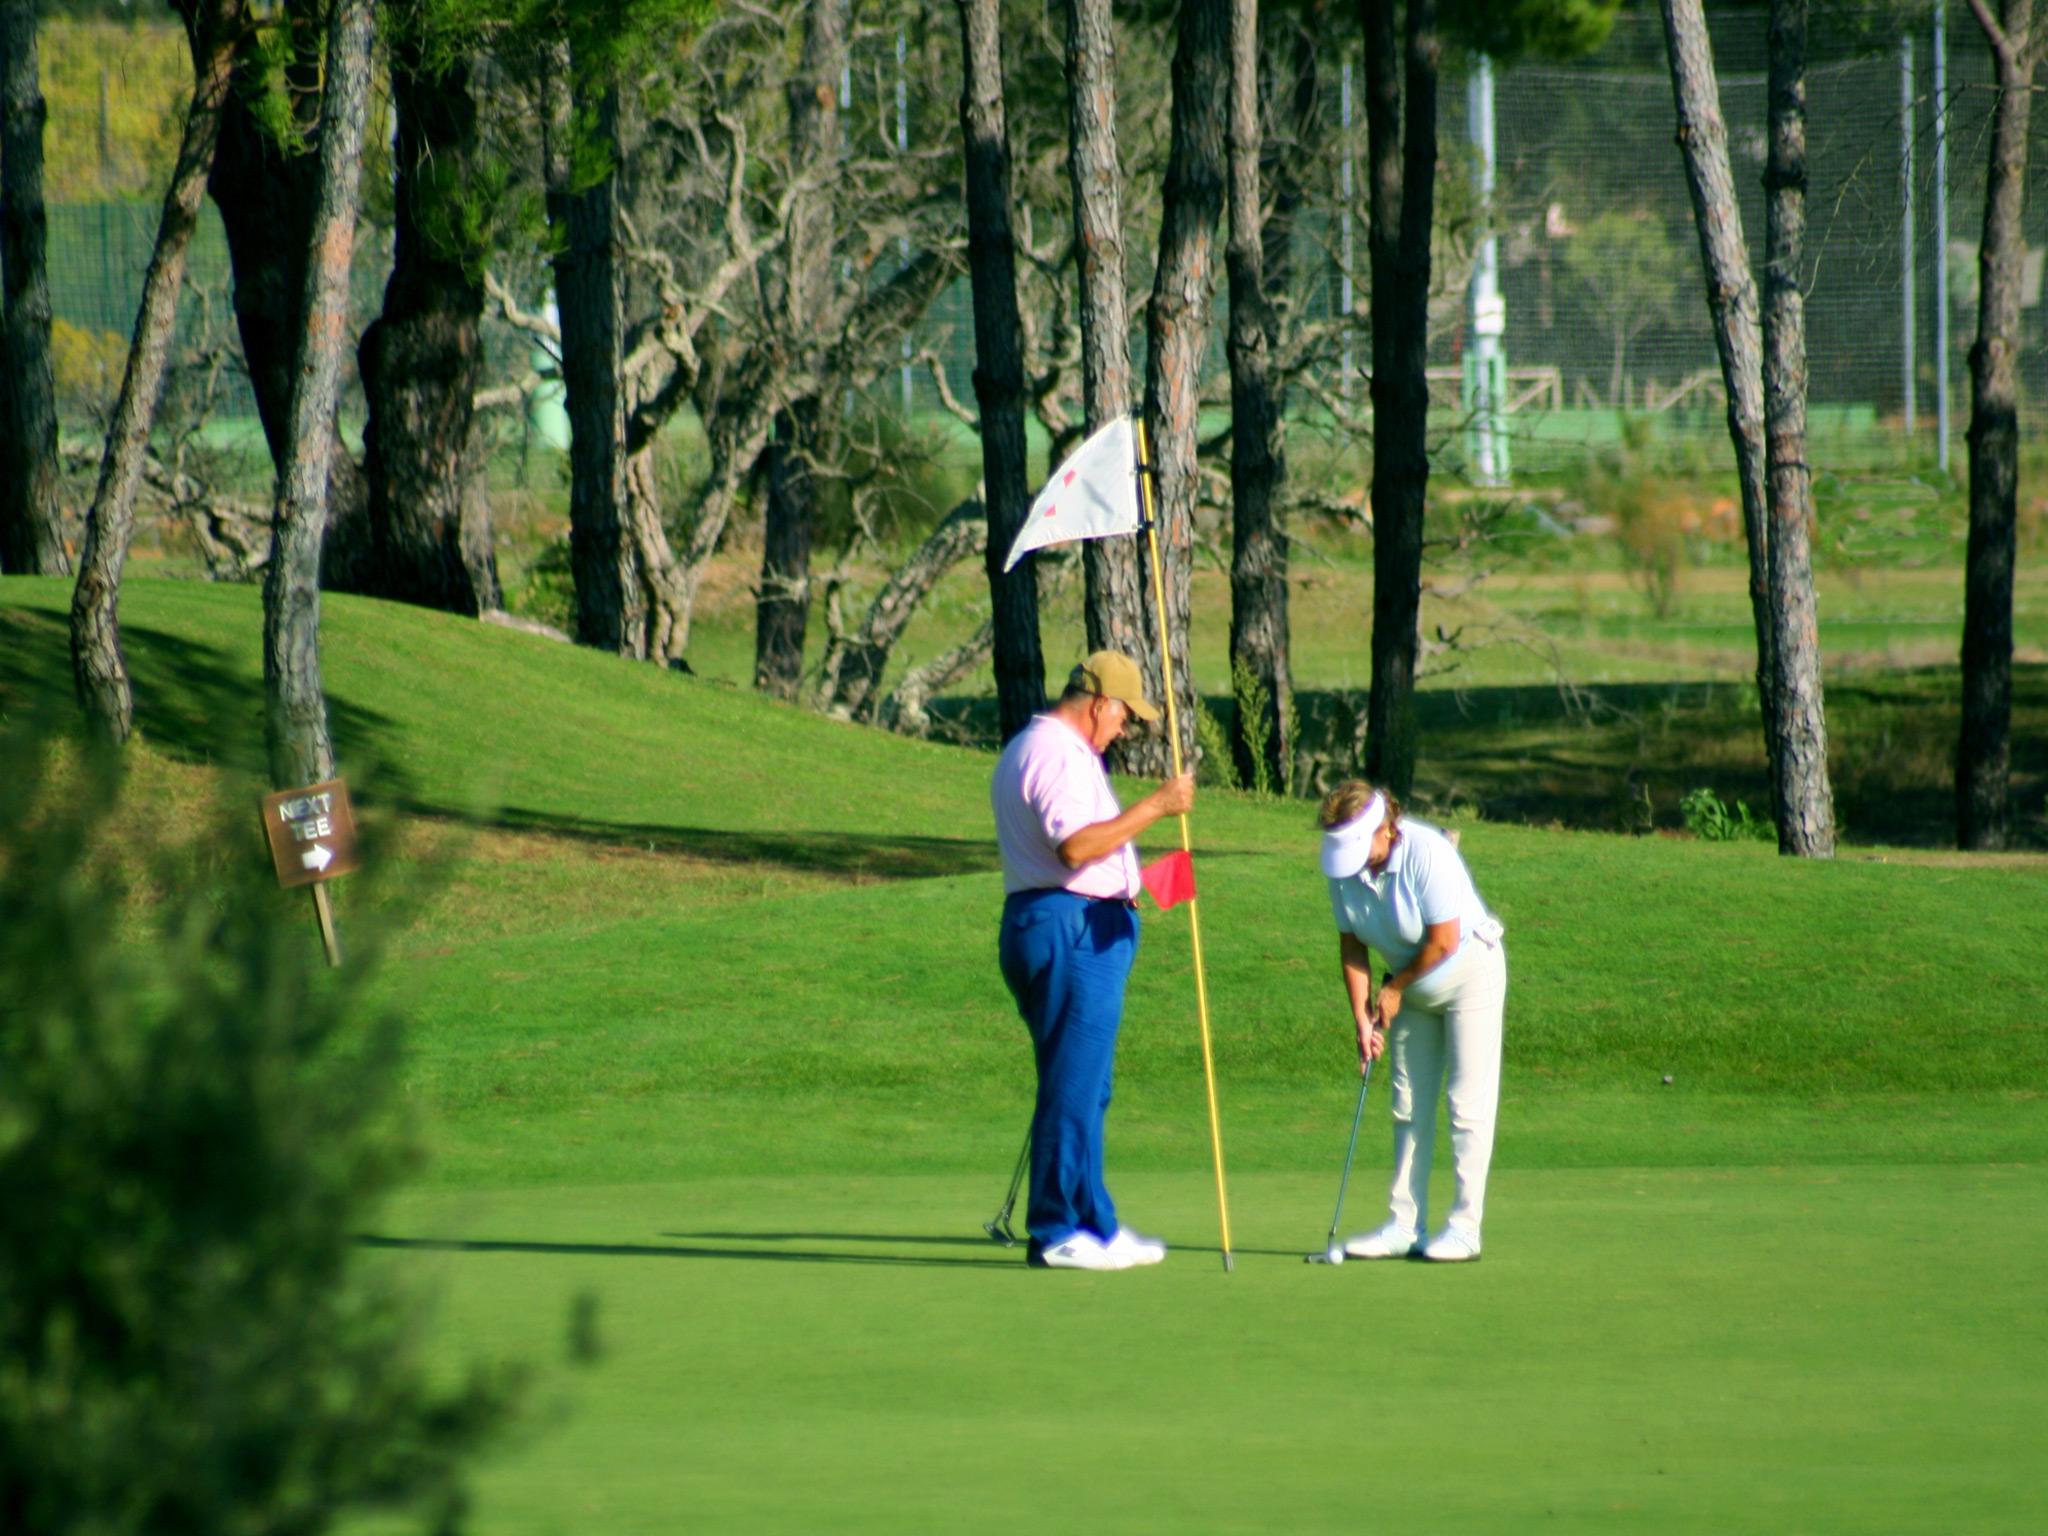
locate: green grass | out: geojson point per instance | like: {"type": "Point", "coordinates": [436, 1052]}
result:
{"type": "Point", "coordinates": [1689, 1350]}
{"type": "Point", "coordinates": [706, 1028]}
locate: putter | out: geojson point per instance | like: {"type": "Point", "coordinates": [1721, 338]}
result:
{"type": "Point", "coordinates": [1350, 1152]}
{"type": "Point", "coordinates": [998, 1225]}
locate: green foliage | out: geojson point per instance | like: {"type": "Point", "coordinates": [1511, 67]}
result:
{"type": "Point", "coordinates": [195, 1124]}
{"type": "Point", "coordinates": [1507, 30]}
{"type": "Point", "coordinates": [126, 154]}
{"type": "Point", "coordinates": [1711, 821]}
{"type": "Point", "coordinates": [1254, 715]}
{"type": "Point", "coordinates": [546, 590]}
{"type": "Point", "coordinates": [469, 214]}
{"type": "Point", "coordinates": [1627, 271]}
{"type": "Point", "coordinates": [266, 80]}
{"type": "Point", "coordinates": [87, 364]}
{"type": "Point", "coordinates": [1213, 764]}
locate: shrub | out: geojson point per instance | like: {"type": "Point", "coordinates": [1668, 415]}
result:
{"type": "Point", "coordinates": [196, 1121]}
{"type": "Point", "coordinates": [1711, 821]}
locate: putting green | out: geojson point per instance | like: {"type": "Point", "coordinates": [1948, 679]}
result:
{"type": "Point", "coordinates": [1755, 1349]}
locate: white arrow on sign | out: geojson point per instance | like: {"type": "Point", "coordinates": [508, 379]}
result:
{"type": "Point", "coordinates": [319, 856]}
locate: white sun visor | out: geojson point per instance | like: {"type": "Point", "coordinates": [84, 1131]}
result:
{"type": "Point", "coordinates": [1347, 847]}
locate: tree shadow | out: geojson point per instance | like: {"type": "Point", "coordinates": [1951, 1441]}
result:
{"type": "Point", "coordinates": [676, 1251]}
{"type": "Point", "coordinates": [194, 703]}
{"type": "Point", "coordinates": [1593, 757]}
{"type": "Point", "coordinates": [856, 855]}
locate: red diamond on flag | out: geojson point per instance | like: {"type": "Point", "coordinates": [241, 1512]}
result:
{"type": "Point", "coordinates": [1052, 511]}
{"type": "Point", "coordinates": [1070, 478]}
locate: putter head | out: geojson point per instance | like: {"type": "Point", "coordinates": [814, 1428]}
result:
{"type": "Point", "coordinates": [1315, 1258]}
{"type": "Point", "coordinates": [999, 1231]}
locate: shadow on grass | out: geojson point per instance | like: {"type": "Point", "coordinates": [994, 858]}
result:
{"type": "Point", "coordinates": [998, 1258]}
{"type": "Point", "coordinates": [193, 702]}
{"type": "Point", "coordinates": [1619, 757]}
{"type": "Point", "coordinates": [960, 1242]}
{"type": "Point", "coordinates": [672, 1251]}
{"type": "Point", "coordinates": [856, 855]}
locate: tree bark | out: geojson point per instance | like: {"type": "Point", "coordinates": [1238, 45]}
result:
{"type": "Point", "coordinates": [266, 194]}
{"type": "Point", "coordinates": [1112, 570]}
{"type": "Point", "coordinates": [1805, 806]}
{"type": "Point", "coordinates": [301, 748]}
{"type": "Point", "coordinates": [98, 669]}
{"type": "Point", "coordinates": [783, 606]}
{"type": "Point", "coordinates": [610, 603]}
{"type": "Point", "coordinates": [1259, 744]}
{"type": "Point", "coordinates": [1403, 171]}
{"type": "Point", "coordinates": [1984, 751]}
{"type": "Point", "coordinates": [422, 359]}
{"type": "Point", "coordinates": [999, 367]}
{"type": "Point", "coordinates": [31, 527]}
{"type": "Point", "coordinates": [1732, 301]}
{"type": "Point", "coordinates": [1177, 334]}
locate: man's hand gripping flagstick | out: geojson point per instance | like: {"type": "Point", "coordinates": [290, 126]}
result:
{"type": "Point", "coordinates": [1097, 493]}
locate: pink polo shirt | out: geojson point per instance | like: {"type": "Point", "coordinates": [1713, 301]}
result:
{"type": "Point", "coordinates": [1049, 784]}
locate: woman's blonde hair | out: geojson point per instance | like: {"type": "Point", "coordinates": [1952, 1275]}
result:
{"type": "Point", "coordinates": [1343, 804]}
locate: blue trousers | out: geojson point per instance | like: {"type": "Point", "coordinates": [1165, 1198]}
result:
{"type": "Point", "coordinates": [1066, 960]}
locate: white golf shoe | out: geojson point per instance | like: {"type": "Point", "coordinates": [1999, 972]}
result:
{"type": "Point", "coordinates": [1392, 1241]}
{"type": "Point", "coordinates": [1453, 1245]}
{"type": "Point", "coordinates": [1134, 1249]}
{"type": "Point", "coordinates": [1083, 1250]}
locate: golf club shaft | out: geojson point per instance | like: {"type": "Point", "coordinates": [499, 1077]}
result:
{"type": "Point", "coordinates": [1016, 1178]}
{"type": "Point", "coordinates": [1350, 1152]}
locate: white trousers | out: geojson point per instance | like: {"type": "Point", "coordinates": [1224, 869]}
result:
{"type": "Point", "coordinates": [1461, 1033]}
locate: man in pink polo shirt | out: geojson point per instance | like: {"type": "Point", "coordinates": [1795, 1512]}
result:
{"type": "Point", "coordinates": [1069, 935]}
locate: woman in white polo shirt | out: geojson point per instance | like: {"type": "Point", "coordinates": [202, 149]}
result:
{"type": "Point", "coordinates": [1399, 887]}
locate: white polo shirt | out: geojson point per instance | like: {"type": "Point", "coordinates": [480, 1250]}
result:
{"type": "Point", "coordinates": [1048, 785]}
{"type": "Point", "coordinates": [1425, 882]}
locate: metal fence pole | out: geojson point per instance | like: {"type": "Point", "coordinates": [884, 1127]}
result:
{"type": "Point", "coordinates": [1906, 231]}
{"type": "Point", "coordinates": [1941, 233]}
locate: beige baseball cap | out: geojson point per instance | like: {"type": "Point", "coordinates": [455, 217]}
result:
{"type": "Point", "coordinates": [1113, 675]}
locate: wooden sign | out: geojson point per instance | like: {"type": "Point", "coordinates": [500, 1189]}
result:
{"type": "Point", "coordinates": [312, 833]}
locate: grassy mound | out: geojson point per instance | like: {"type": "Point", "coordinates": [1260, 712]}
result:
{"type": "Point", "coordinates": [661, 919]}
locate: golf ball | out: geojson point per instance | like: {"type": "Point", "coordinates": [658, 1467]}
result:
{"type": "Point", "coordinates": [1335, 1254]}
{"type": "Point", "coordinates": [1667, 1079]}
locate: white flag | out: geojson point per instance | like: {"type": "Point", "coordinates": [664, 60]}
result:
{"type": "Point", "coordinates": [1092, 495]}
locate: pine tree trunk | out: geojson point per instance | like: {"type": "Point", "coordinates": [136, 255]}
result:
{"type": "Point", "coordinates": [1177, 334]}
{"type": "Point", "coordinates": [1984, 752]}
{"type": "Point", "coordinates": [783, 606]}
{"type": "Point", "coordinates": [98, 669]}
{"type": "Point", "coordinates": [1258, 465]}
{"type": "Point", "coordinates": [301, 749]}
{"type": "Point", "coordinates": [1403, 170]}
{"type": "Point", "coordinates": [1805, 806]}
{"type": "Point", "coordinates": [610, 606]}
{"type": "Point", "coordinates": [422, 359]}
{"type": "Point", "coordinates": [1114, 580]}
{"type": "Point", "coordinates": [266, 199]}
{"type": "Point", "coordinates": [1732, 300]}
{"type": "Point", "coordinates": [999, 367]}
{"type": "Point", "coordinates": [31, 527]}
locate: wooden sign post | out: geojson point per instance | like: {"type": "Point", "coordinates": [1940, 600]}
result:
{"type": "Point", "coordinates": [312, 836]}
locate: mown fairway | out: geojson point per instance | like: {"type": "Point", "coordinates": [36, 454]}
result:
{"type": "Point", "coordinates": [720, 1084]}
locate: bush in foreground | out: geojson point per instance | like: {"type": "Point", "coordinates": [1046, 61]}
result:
{"type": "Point", "coordinates": [195, 1122]}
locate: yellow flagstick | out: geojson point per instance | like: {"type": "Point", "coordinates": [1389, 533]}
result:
{"type": "Point", "coordinates": [1194, 903]}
